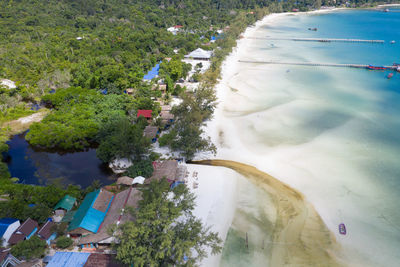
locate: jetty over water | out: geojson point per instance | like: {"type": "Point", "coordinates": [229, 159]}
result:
{"type": "Point", "coordinates": [322, 40]}
{"type": "Point", "coordinates": [359, 66]}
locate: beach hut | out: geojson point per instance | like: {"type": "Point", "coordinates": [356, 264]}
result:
{"type": "Point", "coordinates": [165, 169]}
{"type": "Point", "coordinates": [125, 180]}
{"type": "Point", "coordinates": [46, 232]}
{"type": "Point", "coordinates": [24, 231]}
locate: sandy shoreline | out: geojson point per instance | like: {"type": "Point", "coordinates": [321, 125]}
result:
{"type": "Point", "coordinates": [297, 223]}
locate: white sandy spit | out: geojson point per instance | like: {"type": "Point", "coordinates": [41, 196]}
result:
{"type": "Point", "coordinates": [215, 200]}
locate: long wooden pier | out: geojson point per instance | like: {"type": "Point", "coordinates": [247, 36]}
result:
{"type": "Point", "coordinates": [322, 40]}
{"type": "Point", "coordinates": [359, 66]}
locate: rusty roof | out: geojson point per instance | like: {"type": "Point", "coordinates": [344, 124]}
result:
{"type": "Point", "coordinates": [128, 197]}
{"type": "Point", "coordinates": [102, 260]}
{"type": "Point", "coordinates": [150, 131]}
{"type": "Point", "coordinates": [103, 200]}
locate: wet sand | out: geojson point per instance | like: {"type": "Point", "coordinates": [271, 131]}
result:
{"type": "Point", "coordinates": [299, 236]}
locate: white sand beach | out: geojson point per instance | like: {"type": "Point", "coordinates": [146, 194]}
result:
{"type": "Point", "coordinates": [215, 199]}
{"type": "Point", "coordinates": [314, 169]}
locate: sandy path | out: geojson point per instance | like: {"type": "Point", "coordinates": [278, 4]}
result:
{"type": "Point", "coordinates": [22, 124]}
{"type": "Point", "coordinates": [300, 237]}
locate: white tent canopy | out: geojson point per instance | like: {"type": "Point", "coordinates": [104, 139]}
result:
{"type": "Point", "coordinates": [200, 54]}
{"type": "Point", "coordinates": [138, 180]}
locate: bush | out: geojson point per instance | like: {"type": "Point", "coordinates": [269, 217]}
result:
{"type": "Point", "coordinates": [63, 242]}
{"type": "Point", "coordinates": [140, 168]}
{"type": "Point", "coordinates": [29, 249]}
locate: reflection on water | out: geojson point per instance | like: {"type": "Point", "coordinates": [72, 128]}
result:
{"type": "Point", "coordinates": [34, 166]}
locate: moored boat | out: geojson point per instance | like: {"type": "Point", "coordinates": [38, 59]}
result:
{"type": "Point", "coordinates": [342, 229]}
{"type": "Point", "coordinates": [390, 75]}
{"type": "Point", "coordinates": [370, 67]}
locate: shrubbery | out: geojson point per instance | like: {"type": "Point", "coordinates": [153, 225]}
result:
{"type": "Point", "coordinates": [64, 242]}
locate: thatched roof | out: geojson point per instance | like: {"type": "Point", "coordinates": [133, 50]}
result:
{"type": "Point", "coordinates": [125, 180]}
{"type": "Point", "coordinates": [163, 169]}
{"type": "Point", "coordinates": [150, 131]}
{"type": "Point", "coordinates": [166, 115]}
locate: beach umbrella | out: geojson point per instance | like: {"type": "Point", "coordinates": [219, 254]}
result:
{"type": "Point", "coordinates": [139, 180]}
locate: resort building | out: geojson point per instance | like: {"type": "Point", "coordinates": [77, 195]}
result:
{"type": "Point", "coordinates": [7, 228]}
{"type": "Point", "coordinates": [91, 213]}
{"type": "Point", "coordinates": [62, 207]}
{"type": "Point", "coordinates": [145, 113]}
{"type": "Point", "coordinates": [24, 231]}
{"type": "Point", "coordinates": [116, 215]}
{"type": "Point", "coordinates": [46, 232]}
{"type": "Point", "coordinates": [200, 54]}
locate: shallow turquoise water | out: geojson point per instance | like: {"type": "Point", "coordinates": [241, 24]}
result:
{"type": "Point", "coordinates": [332, 133]}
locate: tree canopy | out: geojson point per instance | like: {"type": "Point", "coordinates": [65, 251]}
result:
{"type": "Point", "coordinates": [165, 232]}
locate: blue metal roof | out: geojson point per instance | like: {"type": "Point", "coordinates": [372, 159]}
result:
{"type": "Point", "coordinates": [86, 216]}
{"type": "Point", "coordinates": [152, 73]}
{"type": "Point", "coordinates": [4, 224]}
{"type": "Point", "coordinates": [68, 259]}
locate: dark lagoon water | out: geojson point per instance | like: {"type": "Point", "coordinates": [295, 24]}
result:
{"type": "Point", "coordinates": [33, 166]}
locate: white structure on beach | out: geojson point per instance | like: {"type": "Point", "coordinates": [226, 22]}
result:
{"type": "Point", "coordinates": [8, 83]}
{"type": "Point", "coordinates": [200, 54]}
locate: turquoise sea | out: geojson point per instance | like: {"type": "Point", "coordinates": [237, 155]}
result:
{"type": "Point", "coordinates": [332, 133]}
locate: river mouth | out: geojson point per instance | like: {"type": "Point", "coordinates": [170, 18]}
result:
{"type": "Point", "coordinates": [37, 166]}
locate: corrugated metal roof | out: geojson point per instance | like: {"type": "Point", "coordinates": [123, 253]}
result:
{"type": "Point", "coordinates": [4, 224]}
{"type": "Point", "coordinates": [66, 203]}
{"type": "Point", "coordinates": [199, 53]}
{"type": "Point", "coordinates": [152, 73]}
{"type": "Point", "coordinates": [68, 259]}
{"type": "Point", "coordinates": [86, 216]}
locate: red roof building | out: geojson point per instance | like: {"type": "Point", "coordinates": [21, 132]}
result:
{"type": "Point", "coordinates": [145, 113]}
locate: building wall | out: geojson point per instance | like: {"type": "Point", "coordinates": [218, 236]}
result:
{"type": "Point", "coordinates": [10, 230]}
